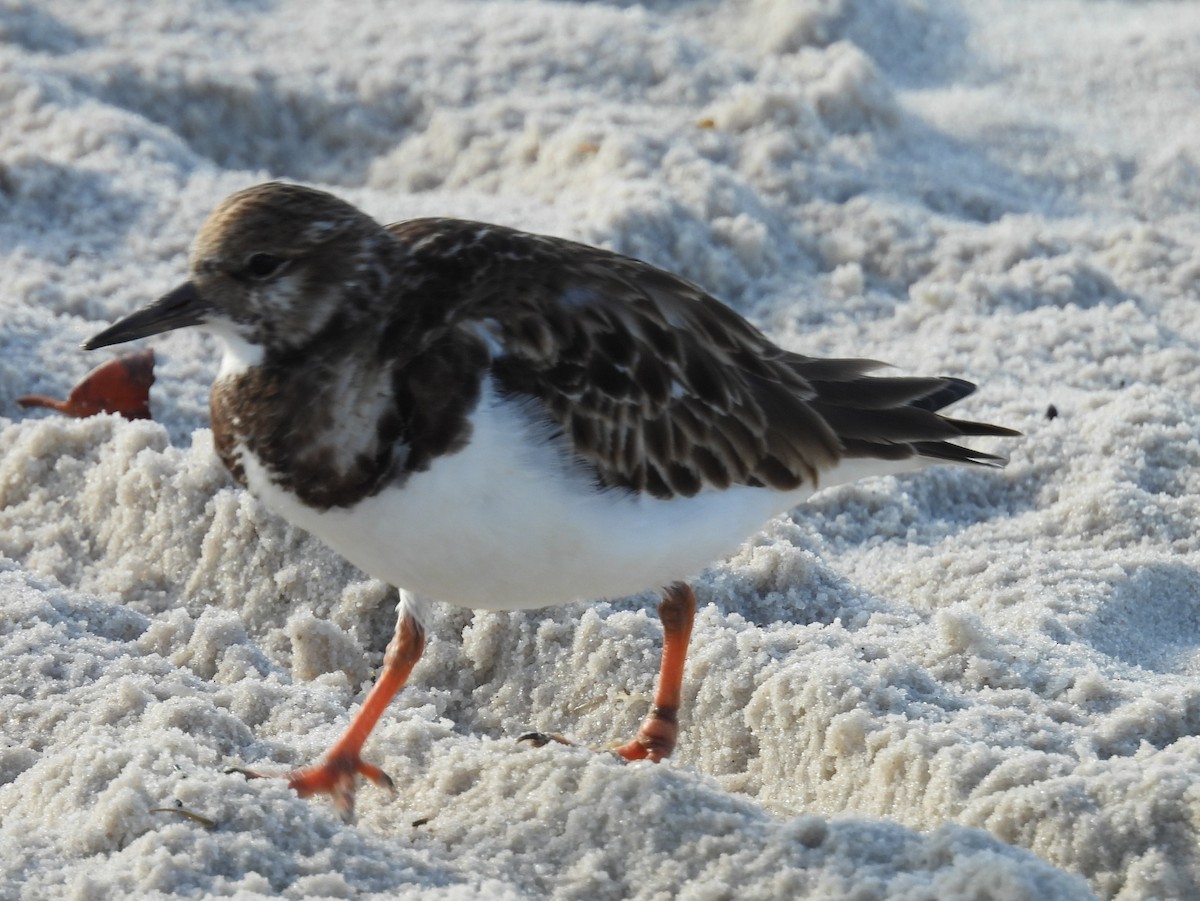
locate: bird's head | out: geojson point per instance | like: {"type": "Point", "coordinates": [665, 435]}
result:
{"type": "Point", "coordinates": [273, 267]}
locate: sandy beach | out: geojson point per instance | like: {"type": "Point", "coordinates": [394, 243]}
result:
{"type": "Point", "coordinates": [956, 684]}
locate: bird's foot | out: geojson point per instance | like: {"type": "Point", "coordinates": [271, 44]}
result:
{"type": "Point", "coordinates": [655, 739]}
{"type": "Point", "coordinates": [336, 776]}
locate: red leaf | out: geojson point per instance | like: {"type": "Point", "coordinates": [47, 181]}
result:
{"type": "Point", "coordinates": [122, 385]}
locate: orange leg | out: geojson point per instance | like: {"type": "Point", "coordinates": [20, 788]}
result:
{"type": "Point", "coordinates": [656, 737]}
{"type": "Point", "coordinates": [336, 774]}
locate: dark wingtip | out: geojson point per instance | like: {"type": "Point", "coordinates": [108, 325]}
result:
{"type": "Point", "coordinates": [970, 427]}
{"type": "Point", "coordinates": [951, 391]}
{"type": "Point", "coordinates": [956, 453]}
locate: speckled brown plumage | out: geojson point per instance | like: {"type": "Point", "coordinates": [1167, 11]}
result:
{"type": "Point", "coordinates": [387, 333]}
{"type": "Point", "coordinates": [651, 383]}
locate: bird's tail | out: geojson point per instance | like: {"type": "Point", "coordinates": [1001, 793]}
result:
{"type": "Point", "coordinates": [895, 418]}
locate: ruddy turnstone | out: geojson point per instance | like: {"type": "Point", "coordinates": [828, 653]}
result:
{"type": "Point", "coordinates": [507, 421]}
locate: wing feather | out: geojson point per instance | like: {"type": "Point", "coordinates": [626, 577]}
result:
{"type": "Point", "coordinates": [658, 387]}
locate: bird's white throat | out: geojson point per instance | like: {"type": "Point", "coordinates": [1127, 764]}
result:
{"type": "Point", "coordinates": [239, 354]}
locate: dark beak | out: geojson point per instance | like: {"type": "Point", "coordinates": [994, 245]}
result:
{"type": "Point", "coordinates": [182, 307]}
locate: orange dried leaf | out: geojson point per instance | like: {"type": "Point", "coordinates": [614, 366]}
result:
{"type": "Point", "coordinates": [122, 385]}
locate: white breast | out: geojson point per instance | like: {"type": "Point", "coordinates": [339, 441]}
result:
{"type": "Point", "coordinates": [506, 523]}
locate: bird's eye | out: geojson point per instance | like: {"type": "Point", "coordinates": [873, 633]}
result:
{"type": "Point", "coordinates": [261, 266]}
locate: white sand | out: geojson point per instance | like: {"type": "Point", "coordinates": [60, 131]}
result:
{"type": "Point", "coordinates": [960, 684]}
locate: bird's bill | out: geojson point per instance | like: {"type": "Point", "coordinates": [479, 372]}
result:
{"type": "Point", "coordinates": [178, 309]}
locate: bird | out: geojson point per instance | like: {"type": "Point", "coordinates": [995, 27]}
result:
{"type": "Point", "coordinates": [501, 420]}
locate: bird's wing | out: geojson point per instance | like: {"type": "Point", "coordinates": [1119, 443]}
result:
{"type": "Point", "coordinates": [656, 385]}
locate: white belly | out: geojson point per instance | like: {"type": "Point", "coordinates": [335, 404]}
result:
{"type": "Point", "coordinates": [504, 524]}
